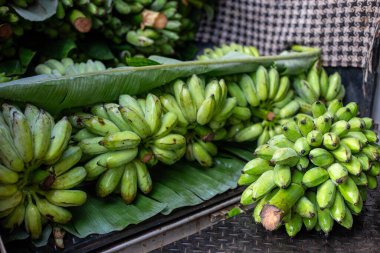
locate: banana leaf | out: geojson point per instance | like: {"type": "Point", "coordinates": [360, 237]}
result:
{"type": "Point", "coordinates": [55, 94]}
{"type": "Point", "coordinates": [184, 184]}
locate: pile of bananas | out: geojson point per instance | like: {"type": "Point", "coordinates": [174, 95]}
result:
{"type": "Point", "coordinates": [36, 170]}
{"type": "Point", "coordinates": [224, 49]}
{"type": "Point", "coordinates": [67, 67]}
{"type": "Point", "coordinates": [316, 172]}
{"type": "Point", "coordinates": [121, 139]}
{"type": "Point", "coordinates": [271, 100]}
{"type": "Point", "coordinates": [316, 85]}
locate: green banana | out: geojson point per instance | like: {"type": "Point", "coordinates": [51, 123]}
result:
{"type": "Point", "coordinates": [137, 123]}
{"type": "Point", "coordinates": [365, 163]}
{"type": "Point", "coordinates": [69, 179]}
{"type": "Point", "coordinates": [326, 194]}
{"type": "Point", "coordinates": [354, 166]}
{"type": "Point", "coordinates": [52, 212]}
{"type": "Point", "coordinates": [260, 205]}
{"type": "Point", "coordinates": [274, 83]}
{"type": "Point", "coordinates": [368, 123]}
{"type": "Point", "coordinates": [100, 126]}
{"type": "Point", "coordinates": [325, 220]}
{"type": "Point", "coordinates": [265, 152]}
{"type": "Point", "coordinates": [82, 135]}
{"type": "Point", "coordinates": [342, 153]}
{"type": "Point", "coordinates": [338, 173]}
{"type": "Point", "coordinates": [92, 146]}
{"type": "Point", "coordinates": [353, 107]}
{"type": "Point", "coordinates": [168, 122]}
{"type": "Point", "coordinates": [305, 208]}
{"type": "Point", "coordinates": [153, 112]}
{"type": "Point", "coordinates": [15, 218]}
{"type": "Point", "coordinates": [338, 208]}
{"type": "Point", "coordinates": [330, 141]}
{"type": "Point", "coordinates": [324, 82]}
{"type": "Point", "coordinates": [280, 141]}
{"type": "Point", "coordinates": [197, 90]}
{"type": "Point", "coordinates": [356, 124]}
{"type": "Point", "coordinates": [348, 220]}
{"type": "Point", "coordinates": [283, 89]}
{"type": "Point", "coordinates": [33, 223]}
{"type": "Point", "coordinates": [249, 133]}
{"type": "Point", "coordinates": [282, 175]}
{"type": "Point", "coordinates": [169, 104]}
{"type": "Point", "coordinates": [321, 157]}
{"type": "Point", "coordinates": [187, 105]}
{"type": "Point", "coordinates": [372, 152]}
{"type": "Point", "coordinates": [340, 128]}
{"type": "Point", "coordinates": [356, 209]}
{"type": "Point", "coordinates": [246, 179]}
{"type": "Point", "coordinates": [302, 147]}
{"type": "Point", "coordinates": [323, 123]}
{"type": "Point", "coordinates": [264, 184]}
{"type": "Point", "coordinates": [314, 138]}
{"type": "Point", "coordinates": [303, 164]}
{"type": "Point", "coordinates": [257, 166]}
{"type": "Point", "coordinates": [310, 223]}
{"type": "Point", "coordinates": [69, 158]}
{"type": "Point", "coordinates": [117, 158]}
{"type": "Point", "coordinates": [349, 191]}
{"type": "Point", "coordinates": [100, 111]}
{"type": "Point", "coordinates": [235, 91]}
{"type": "Point", "coordinates": [289, 110]}
{"type": "Point", "coordinates": [108, 181]}
{"type": "Point", "coordinates": [201, 155]}
{"type": "Point", "coordinates": [66, 198]}
{"type": "Point", "coordinates": [131, 103]}
{"type": "Point", "coordinates": [144, 180]}
{"type": "Point", "coordinates": [294, 225]}
{"type": "Point", "coordinates": [371, 136]}
{"type": "Point", "coordinates": [120, 140]}
{"type": "Point", "coordinates": [318, 109]}
{"type": "Point", "coordinates": [360, 180]}
{"type": "Point", "coordinates": [334, 86]}
{"type": "Point", "coordinates": [248, 87]}
{"type": "Point", "coordinates": [291, 131]}
{"type": "Point", "coordinates": [128, 184]}
{"type": "Point", "coordinates": [315, 177]}
{"type": "Point", "coordinates": [352, 143]}
{"type": "Point", "coordinates": [170, 142]}
{"type": "Point", "coordinates": [115, 116]}
{"type": "Point", "coordinates": [372, 182]}
{"type": "Point", "coordinates": [8, 176]}
{"type": "Point", "coordinates": [344, 113]}
{"type": "Point", "coordinates": [375, 169]}
{"type": "Point", "coordinates": [41, 130]}
{"type": "Point", "coordinates": [285, 156]}
{"type": "Point", "coordinates": [7, 190]}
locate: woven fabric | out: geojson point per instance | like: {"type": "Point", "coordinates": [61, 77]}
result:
{"type": "Point", "coordinates": [344, 29]}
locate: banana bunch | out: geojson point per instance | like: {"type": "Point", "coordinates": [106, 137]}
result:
{"type": "Point", "coordinates": [272, 103]}
{"type": "Point", "coordinates": [202, 111]}
{"type": "Point", "coordinates": [36, 169]}
{"type": "Point", "coordinates": [316, 172]}
{"type": "Point", "coordinates": [122, 138]}
{"type": "Point", "coordinates": [224, 49]}
{"type": "Point", "coordinates": [316, 85]}
{"type": "Point", "coordinates": [67, 67]}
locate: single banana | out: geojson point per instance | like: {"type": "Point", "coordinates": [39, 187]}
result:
{"type": "Point", "coordinates": [257, 166]}
{"type": "Point", "coordinates": [265, 152]}
{"type": "Point", "coordinates": [69, 158]}
{"type": "Point", "coordinates": [333, 87]}
{"type": "Point", "coordinates": [15, 218]}
{"type": "Point", "coordinates": [338, 208]}
{"type": "Point", "coordinates": [8, 176]}
{"type": "Point", "coordinates": [197, 90]}
{"type": "Point", "coordinates": [349, 191]}
{"type": "Point", "coordinates": [314, 138]}
{"type": "Point", "coordinates": [92, 146]}
{"type": "Point", "coordinates": [120, 141]}
{"type": "Point", "coordinates": [137, 123]}
{"type": "Point", "coordinates": [283, 89]}
{"type": "Point", "coordinates": [100, 126]}
{"type": "Point", "coordinates": [338, 173]}
{"type": "Point", "coordinates": [340, 128]}
{"type": "Point", "coordinates": [229, 108]}
{"type": "Point", "coordinates": [305, 208]}
{"type": "Point", "coordinates": [282, 175]}
{"type": "Point", "coordinates": [303, 163]}
{"type": "Point", "coordinates": [248, 87]}
{"type": "Point", "coordinates": [60, 136]}
{"type": "Point", "coordinates": [201, 155]}
{"type": "Point", "coordinates": [342, 153]}
{"type": "Point", "coordinates": [354, 166]}
{"type": "Point", "coordinates": [289, 110]}
{"type": "Point", "coordinates": [206, 111]}
{"type": "Point", "coordinates": [117, 158]}
{"type": "Point", "coordinates": [187, 105]}
{"type": "Point", "coordinates": [100, 111]}
{"type": "Point", "coordinates": [7, 190]}
{"type": "Point", "coordinates": [235, 91]}
{"type": "Point", "coordinates": [115, 116]}
{"type": "Point", "coordinates": [168, 122]}
{"type": "Point", "coordinates": [108, 181]}
{"type": "Point", "coordinates": [153, 112]}
{"type": "Point", "coordinates": [131, 103]}
{"type": "Point", "coordinates": [321, 157]}
{"type": "Point", "coordinates": [33, 223]}
{"type": "Point", "coordinates": [66, 198]}
{"type": "Point", "coordinates": [315, 177]}
{"type": "Point", "coordinates": [128, 185]}
{"type": "Point", "coordinates": [261, 83]}
{"type": "Point", "coordinates": [52, 212]}
{"type": "Point", "coordinates": [83, 134]}
{"type": "Point", "coordinates": [285, 156]}
{"type": "Point", "coordinates": [264, 184]}
{"type": "Point", "coordinates": [93, 169]}
{"type": "Point", "coordinates": [249, 133]}
{"type": "Point", "coordinates": [41, 131]}
{"type": "Point", "coordinates": [170, 105]}
{"type": "Point", "coordinates": [274, 83]}
{"type": "Point", "coordinates": [324, 83]}
{"type": "Point", "coordinates": [291, 130]}
{"type": "Point", "coordinates": [313, 80]}
{"type": "Point", "coordinates": [69, 179]}
{"type": "Point", "coordinates": [352, 143]}
{"type": "Point", "coordinates": [170, 142]}
{"type": "Point", "coordinates": [144, 181]}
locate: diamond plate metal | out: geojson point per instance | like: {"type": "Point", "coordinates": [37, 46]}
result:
{"type": "Point", "coordinates": [241, 234]}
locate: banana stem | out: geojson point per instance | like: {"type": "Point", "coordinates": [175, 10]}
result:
{"type": "Point", "coordinates": [81, 23]}
{"type": "Point", "coordinates": [264, 114]}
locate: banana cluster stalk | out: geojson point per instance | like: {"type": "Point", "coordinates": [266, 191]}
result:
{"type": "Point", "coordinates": [317, 172]}
{"type": "Point", "coordinates": [67, 67]}
{"type": "Point", "coordinates": [316, 85]}
{"type": "Point", "coordinates": [122, 139]}
{"type": "Point", "coordinates": [271, 100]}
{"type": "Point", "coordinates": [37, 170]}
{"type": "Point", "coordinates": [224, 49]}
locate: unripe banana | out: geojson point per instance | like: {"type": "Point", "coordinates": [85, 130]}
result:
{"type": "Point", "coordinates": [310, 223]}
{"type": "Point", "coordinates": [137, 123]}
{"type": "Point", "coordinates": [338, 173]}
{"type": "Point", "coordinates": [170, 142]}
{"type": "Point", "coordinates": [168, 122]}
{"type": "Point", "coordinates": [248, 87]}
{"type": "Point", "coordinates": [246, 179]}
{"type": "Point", "coordinates": [360, 180]}
{"type": "Point", "coordinates": [7, 190]}
{"type": "Point", "coordinates": [352, 143]}
{"type": "Point", "coordinates": [371, 136]}
{"type": "Point", "coordinates": [21, 133]}
{"type": "Point", "coordinates": [318, 109]}
{"type": "Point", "coordinates": [264, 137]}
{"type": "Point", "coordinates": [153, 112]}
{"type": "Point", "coordinates": [291, 131]}
{"type": "Point", "coordinates": [108, 181]}
{"type": "Point", "coordinates": [314, 138]}
{"type": "Point", "coordinates": [256, 166]}
{"type": "Point", "coordinates": [375, 169]}
{"type": "Point", "coordinates": [313, 80]}
{"type": "Point", "coordinates": [235, 91]}
{"type": "Point", "coordinates": [229, 108]}
{"type": "Point", "coordinates": [131, 103]}
{"type": "Point", "coordinates": [165, 156]}
{"type": "Point", "coordinates": [289, 110]}
{"type": "Point", "coordinates": [41, 130]}
{"type": "Point", "coordinates": [348, 220]}
{"type": "Point", "coordinates": [201, 155]}
{"type": "Point", "coordinates": [304, 90]}
{"type": "Point", "coordinates": [210, 147]}
{"type": "Point", "coordinates": [8, 154]}
{"type": "Point", "coordinates": [285, 156]}
{"type": "Point", "coordinates": [120, 140]}
{"type": "Point", "coordinates": [368, 123]}
{"type": "Point", "coordinates": [305, 208]}
{"type": "Point", "coordinates": [260, 205]}
{"type": "Point", "coordinates": [282, 89]}
{"type": "Point", "coordinates": [10, 202]}
{"type": "Point", "coordinates": [324, 82]}
{"type": "Point", "coordinates": [323, 124]}
{"type": "Point", "coordinates": [83, 134]}
{"type": "Point", "coordinates": [344, 113]}
{"type": "Point", "coordinates": [170, 105]}
{"type": "Point", "coordinates": [93, 169]}
{"type": "Point", "coordinates": [372, 182]}
{"type": "Point", "coordinates": [249, 133]}
{"type": "Point", "coordinates": [340, 128]}
{"type": "Point", "coordinates": [92, 146]}
{"type": "Point", "coordinates": [356, 124]}
{"type": "Point", "coordinates": [261, 83]}
{"type": "Point", "coordinates": [144, 180]}
{"type": "Point", "coordinates": [52, 212]}
{"type": "Point", "coordinates": [115, 116]}
{"type": "Point", "coordinates": [358, 135]}
{"type": "Point", "coordinates": [321, 157]}
{"type": "Point", "coordinates": [372, 152]}
{"type": "Point", "coordinates": [280, 141]}
{"type": "Point", "coordinates": [364, 161]}
{"type": "Point", "coordinates": [303, 163]}
{"type": "Point", "coordinates": [282, 175]}
{"type": "Point", "coordinates": [354, 166]}
{"type": "Point", "coordinates": [33, 223]}
{"type": "Point", "coordinates": [15, 218]}
{"type": "Point", "coordinates": [315, 177]}
{"type": "Point", "coordinates": [100, 111]}
{"type": "Point", "coordinates": [302, 147]}
{"type": "Point", "coordinates": [8, 176]}
{"type": "Point", "coordinates": [353, 107]}
{"type": "Point", "coordinates": [326, 194]}
{"type": "Point", "coordinates": [342, 153]}
{"type": "Point", "coordinates": [213, 88]}
{"type": "Point", "coordinates": [66, 198]}
{"type": "Point", "coordinates": [187, 105]}
{"type": "Point", "coordinates": [293, 225]}
{"type": "Point", "coordinates": [305, 124]}
{"type": "Point", "coordinates": [100, 126]}
{"type": "Point", "coordinates": [69, 179]}
{"type": "Point", "coordinates": [349, 191]}
{"type": "Point", "coordinates": [330, 141]}
{"type": "Point", "coordinates": [197, 90]}
{"type": "Point", "coordinates": [334, 86]}
{"type": "Point", "coordinates": [264, 184]}
{"type": "Point", "coordinates": [60, 136]}
{"type": "Point", "coordinates": [265, 152]}
{"type": "Point", "coordinates": [338, 208]}
{"type": "Point", "coordinates": [220, 134]}
{"type": "Point", "coordinates": [128, 185]}
{"type": "Point", "coordinates": [69, 158]}
{"type": "Point", "coordinates": [286, 100]}
{"type": "Point", "coordinates": [325, 220]}
{"type": "Point", "coordinates": [334, 106]}
{"type": "Point", "coordinates": [117, 158]}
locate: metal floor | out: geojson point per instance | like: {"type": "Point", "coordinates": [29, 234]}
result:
{"type": "Point", "coordinates": [241, 234]}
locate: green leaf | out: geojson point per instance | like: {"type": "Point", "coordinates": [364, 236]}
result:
{"type": "Point", "coordinates": [59, 49]}
{"type": "Point", "coordinates": [139, 62]}
{"type": "Point", "coordinates": [97, 50]}
{"type": "Point", "coordinates": [18, 67]}
{"type": "Point", "coordinates": [58, 93]}
{"type": "Point", "coordinates": [39, 11]}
